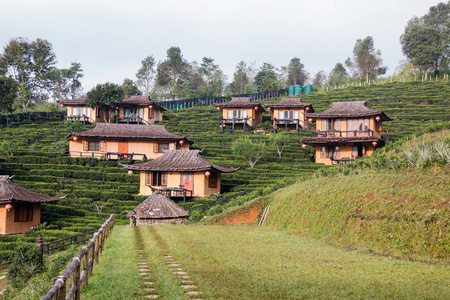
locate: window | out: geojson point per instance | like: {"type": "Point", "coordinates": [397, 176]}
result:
{"type": "Point", "coordinates": [212, 181]}
{"type": "Point", "coordinates": [323, 152]}
{"type": "Point", "coordinates": [155, 178]}
{"type": "Point", "coordinates": [378, 124]}
{"type": "Point", "coordinates": [337, 152]}
{"type": "Point", "coordinates": [93, 146]}
{"type": "Point", "coordinates": [354, 152]}
{"type": "Point", "coordinates": [163, 147]}
{"type": "Point", "coordinates": [23, 212]}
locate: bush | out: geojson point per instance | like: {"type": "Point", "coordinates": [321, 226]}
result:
{"type": "Point", "coordinates": [26, 262]}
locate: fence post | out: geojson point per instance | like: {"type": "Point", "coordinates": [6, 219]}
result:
{"type": "Point", "coordinates": [61, 294]}
{"type": "Point", "coordinates": [40, 245]}
{"type": "Point", "coordinates": [76, 279]}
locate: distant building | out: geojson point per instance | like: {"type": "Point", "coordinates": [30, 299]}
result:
{"type": "Point", "coordinates": [289, 114]}
{"type": "Point", "coordinates": [181, 174]}
{"type": "Point", "coordinates": [157, 209]}
{"type": "Point", "coordinates": [125, 141]}
{"type": "Point", "coordinates": [134, 110]}
{"type": "Point", "coordinates": [240, 112]}
{"type": "Point", "coordinates": [346, 131]}
{"type": "Point", "coordinates": [20, 209]}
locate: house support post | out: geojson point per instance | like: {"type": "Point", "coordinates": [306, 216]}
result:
{"type": "Point", "coordinates": [232, 129]}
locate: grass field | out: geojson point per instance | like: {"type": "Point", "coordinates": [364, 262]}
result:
{"type": "Point", "coordinates": [249, 262]}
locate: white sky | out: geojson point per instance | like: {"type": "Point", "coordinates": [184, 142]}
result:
{"type": "Point", "coordinates": [110, 38]}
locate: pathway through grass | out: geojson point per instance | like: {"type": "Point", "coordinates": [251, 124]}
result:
{"type": "Point", "coordinates": [247, 262]}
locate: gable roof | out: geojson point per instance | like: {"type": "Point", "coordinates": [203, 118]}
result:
{"type": "Point", "coordinates": [78, 101]}
{"type": "Point", "coordinates": [141, 100]}
{"type": "Point", "coordinates": [129, 131]}
{"type": "Point", "coordinates": [349, 109]}
{"type": "Point", "coordinates": [158, 206]}
{"type": "Point", "coordinates": [240, 102]}
{"type": "Point", "coordinates": [290, 103]}
{"type": "Point", "coordinates": [12, 192]}
{"type": "Point", "coordinates": [179, 160]}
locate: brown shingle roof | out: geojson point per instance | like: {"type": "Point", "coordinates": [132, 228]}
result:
{"type": "Point", "coordinates": [240, 102]}
{"type": "Point", "coordinates": [12, 192]}
{"type": "Point", "coordinates": [158, 206]}
{"type": "Point", "coordinates": [130, 131]}
{"type": "Point", "coordinates": [79, 101]}
{"type": "Point", "coordinates": [179, 160]}
{"type": "Point", "coordinates": [349, 109]}
{"type": "Point", "coordinates": [141, 100]}
{"type": "Point", "coordinates": [290, 103]}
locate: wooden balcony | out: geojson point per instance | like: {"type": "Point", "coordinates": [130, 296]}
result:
{"type": "Point", "coordinates": [339, 133]}
{"type": "Point", "coordinates": [81, 118]}
{"type": "Point", "coordinates": [341, 161]}
{"type": "Point", "coordinates": [106, 155]}
{"type": "Point", "coordinates": [131, 120]}
{"type": "Point", "coordinates": [236, 121]}
{"type": "Point", "coordinates": [287, 123]}
{"type": "Point", "coordinates": [174, 192]}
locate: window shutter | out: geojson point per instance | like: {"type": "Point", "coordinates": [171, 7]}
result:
{"type": "Point", "coordinates": [163, 178]}
{"type": "Point", "coordinates": [155, 147]}
{"type": "Point", "coordinates": [102, 146]}
{"type": "Point", "coordinates": [172, 146]}
{"type": "Point", "coordinates": [271, 115]}
{"type": "Point", "coordinates": [85, 145]}
{"type": "Point", "coordinates": [337, 124]}
{"type": "Point", "coordinates": [149, 112]}
{"type": "Point", "coordinates": [148, 178]}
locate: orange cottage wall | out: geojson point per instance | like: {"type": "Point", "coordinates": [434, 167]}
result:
{"type": "Point", "coordinates": [141, 147]}
{"type": "Point", "coordinates": [157, 114]}
{"type": "Point", "coordinates": [345, 150]}
{"type": "Point", "coordinates": [275, 113]}
{"type": "Point", "coordinates": [7, 224]}
{"type": "Point", "coordinates": [372, 126]}
{"type": "Point", "coordinates": [258, 114]}
{"type": "Point", "coordinates": [201, 188]}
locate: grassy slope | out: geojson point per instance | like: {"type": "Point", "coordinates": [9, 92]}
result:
{"type": "Point", "coordinates": [403, 212]}
{"type": "Point", "coordinates": [248, 262]}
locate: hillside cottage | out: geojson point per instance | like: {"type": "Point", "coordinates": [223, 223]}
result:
{"type": "Point", "coordinates": [180, 174]}
{"type": "Point", "coordinates": [134, 110]}
{"type": "Point", "coordinates": [125, 141]}
{"type": "Point", "coordinates": [289, 114]}
{"type": "Point", "coordinates": [20, 209]}
{"type": "Point", "coordinates": [346, 131]}
{"type": "Point", "coordinates": [240, 112]}
{"type": "Point", "coordinates": [157, 209]}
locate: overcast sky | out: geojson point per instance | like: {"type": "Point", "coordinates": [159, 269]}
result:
{"type": "Point", "coordinates": [110, 38]}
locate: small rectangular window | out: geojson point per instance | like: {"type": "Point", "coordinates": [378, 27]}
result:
{"type": "Point", "coordinates": [323, 152]}
{"type": "Point", "coordinates": [93, 146]}
{"type": "Point", "coordinates": [159, 178]}
{"type": "Point", "coordinates": [163, 147]}
{"type": "Point", "coordinates": [337, 152]}
{"type": "Point", "coordinates": [23, 212]}
{"type": "Point", "coordinates": [212, 183]}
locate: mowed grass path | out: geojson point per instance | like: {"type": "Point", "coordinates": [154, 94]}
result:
{"type": "Point", "coordinates": [248, 262]}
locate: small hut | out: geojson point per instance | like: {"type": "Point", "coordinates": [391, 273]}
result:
{"type": "Point", "coordinates": [20, 209]}
{"type": "Point", "coordinates": [157, 209]}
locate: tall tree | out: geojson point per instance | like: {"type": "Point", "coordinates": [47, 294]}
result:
{"type": "Point", "coordinates": [267, 80]}
{"type": "Point", "coordinates": [8, 93]}
{"type": "Point", "coordinates": [295, 72]}
{"type": "Point", "coordinates": [129, 88]}
{"type": "Point", "coordinates": [338, 75]}
{"type": "Point", "coordinates": [240, 78]}
{"type": "Point", "coordinates": [426, 40]}
{"type": "Point", "coordinates": [368, 59]}
{"type": "Point", "coordinates": [31, 65]}
{"type": "Point", "coordinates": [146, 75]}
{"type": "Point", "coordinates": [319, 79]}
{"type": "Point", "coordinates": [66, 82]}
{"type": "Point", "coordinates": [105, 96]}
{"type": "Point", "coordinates": [207, 69]}
{"type": "Point", "coordinates": [172, 71]}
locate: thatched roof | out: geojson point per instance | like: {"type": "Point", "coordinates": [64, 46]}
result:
{"type": "Point", "coordinates": [12, 192]}
{"type": "Point", "coordinates": [179, 160]}
{"type": "Point", "coordinates": [240, 102]}
{"type": "Point", "coordinates": [158, 206]}
{"type": "Point", "coordinates": [290, 103]}
{"type": "Point", "coordinates": [141, 100]}
{"type": "Point", "coordinates": [130, 131]}
{"type": "Point", "coordinates": [351, 109]}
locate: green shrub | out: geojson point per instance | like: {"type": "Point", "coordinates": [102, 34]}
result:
{"type": "Point", "coordinates": [26, 262]}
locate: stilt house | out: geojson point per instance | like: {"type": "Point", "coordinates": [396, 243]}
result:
{"type": "Point", "coordinates": [157, 209]}
{"type": "Point", "coordinates": [240, 112]}
{"type": "Point", "coordinates": [125, 141]}
{"type": "Point", "coordinates": [20, 209]}
{"type": "Point", "coordinates": [289, 114]}
{"type": "Point", "coordinates": [180, 174]}
{"type": "Point", "coordinates": [346, 131]}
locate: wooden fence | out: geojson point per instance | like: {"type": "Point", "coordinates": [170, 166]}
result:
{"type": "Point", "coordinates": [69, 284]}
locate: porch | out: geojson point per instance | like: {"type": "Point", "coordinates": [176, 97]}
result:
{"type": "Point", "coordinates": [174, 192]}
{"type": "Point", "coordinates": [240, 122]}
{"type": "Point", "coordinates": [131, 120]}
{"type": "Point", "coordinates": [107, 155]}
{"type": "Point", "coordinates": [341, 161]}
{"type": "Point", "coordinates": [287, 123]}
{"type": "Point", "coordinates": [81, 118]}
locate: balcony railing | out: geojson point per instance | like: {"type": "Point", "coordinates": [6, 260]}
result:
{"type": "Point", "coordinates": [341, 161]}
{"type": "Point", "coordinates": [106, 155]}
{"type": "Point", "coordinates": [234, 121]}
{"type": "Point", "coordinates": [81, 118]}
{"type": "Point", "coordinates": [131, 120]}
{"type": "Point", "coordinates": [173, 192]}
{"type": "Point", "coordinates": [288, 123]}
{"type": "Point", "coordinates": [339, 133]}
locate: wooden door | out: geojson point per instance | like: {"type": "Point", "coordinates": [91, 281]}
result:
{"type": "Point", "coordinates": [123, 148]}
{"type": "Point", "coordinates": [187, 180]}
